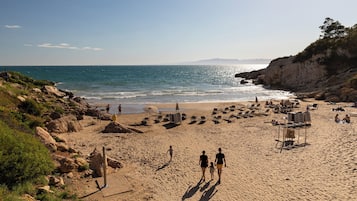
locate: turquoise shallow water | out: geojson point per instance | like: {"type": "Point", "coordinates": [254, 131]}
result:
{"type": "Point", "coordinates": [134, 86]}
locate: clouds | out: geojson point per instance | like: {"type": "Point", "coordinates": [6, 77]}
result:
{"type": "Point", "coordinates": [67, 46]}
{"type": "Point", "coordinates": [12, 26]}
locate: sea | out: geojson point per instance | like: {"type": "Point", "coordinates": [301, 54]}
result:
{"type": "Point", "coordinates": [136, 86]}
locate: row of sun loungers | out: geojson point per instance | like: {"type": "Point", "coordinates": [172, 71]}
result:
{"type": "Point", "coordinates": [200, 120]}
{"type": "Point", "coordinates": [234, 112]}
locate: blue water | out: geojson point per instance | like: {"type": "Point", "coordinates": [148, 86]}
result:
{"type": "Point", "coordinates": [139, 85]}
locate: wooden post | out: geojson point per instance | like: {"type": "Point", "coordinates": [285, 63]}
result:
{"type": "Point", "coordinates": [105, 168]}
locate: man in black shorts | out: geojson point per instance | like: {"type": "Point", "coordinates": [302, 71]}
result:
{"type": "Point", "coordinates": [219, 161]}
{"type": "Point", "coordinates": [204, 164]}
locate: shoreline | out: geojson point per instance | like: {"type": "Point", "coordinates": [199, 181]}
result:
{"type": "Point", "coordinates": [138, 108]}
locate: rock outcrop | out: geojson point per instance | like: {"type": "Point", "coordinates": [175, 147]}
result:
{"type": "Point", "coordinates": [53, 90]}
{"type": "Point", "coordinates": [46, 139]}
{"type": "Point", "coordinates": [309, 78]}
{"type": "Point", "coordinates": [66, 164]}
{"type": "Point", "coordinates": [64, 124]}
{"type": "Point", "coordinates": [283, 73]}
{"type": "Point", "coordinates": [115, 127]}
{"type": "Point", "coordinates": [96, 163]}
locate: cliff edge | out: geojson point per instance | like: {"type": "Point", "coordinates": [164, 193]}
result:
{"type": "Point", "coordinates": [325, 70]}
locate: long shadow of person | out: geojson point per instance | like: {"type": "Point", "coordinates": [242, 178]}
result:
{"type": "Point", "coordinates": [191, 190]}
{"type": "Point", "coordinates": [207, 195]}
{"type": "Point", "coordinates": [163, 166]}
{"type": "Point", "coordinates": [205, 186]}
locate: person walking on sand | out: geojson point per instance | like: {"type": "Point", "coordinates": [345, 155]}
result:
{"type": "Point", "coordinates": [211, 170]}
{"type": "Point", "coordinates": [204, 164]}
{"type": "Point", "coordinates": [220, 159]}
{"type": "Point", "coordinates": [171, 152]}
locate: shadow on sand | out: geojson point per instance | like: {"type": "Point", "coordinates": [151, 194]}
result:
{"type": "Point", "coordinates": [191, 190]}
{"type": "Point", "coordinates": [90, 194]}
{"type": "Point", "coordinates": [170, 125]}
{"type": "Point", "coordinates": [163, 166]}
{"type": "Point", "coordinates": [208, 194]}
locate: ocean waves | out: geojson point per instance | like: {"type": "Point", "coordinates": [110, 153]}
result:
{"type": "Point", "coordinates": [154, 84]}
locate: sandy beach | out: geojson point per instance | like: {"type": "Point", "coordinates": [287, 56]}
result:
{"type": "Point", "coordinates": [257, 169]}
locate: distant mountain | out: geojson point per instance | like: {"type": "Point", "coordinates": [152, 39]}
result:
{"type": "Point", "coordinates": [220, 61]}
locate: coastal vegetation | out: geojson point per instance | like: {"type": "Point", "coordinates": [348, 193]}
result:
{"type": "Point", "coordinates": [339, 45]}
{"type": "Point", "coordinates": [24, 160]}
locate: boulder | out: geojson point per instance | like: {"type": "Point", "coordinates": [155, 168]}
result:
{"type": "Point", "coordinates": [95, 163]}
{"type": "Point", "coordinates": [64, 124]}
{"type": "Point", "coordinates": [70, 175]}
{"type": "Point", "coordinates": [58, 138]}
{"type": "Point", "coordinates": [55, 115]}
{"type": "Point", "coordinates": [115, 127]}
{"type": "Point", "coordinates": [53, 90]}
{"type": "Point", "coordinates": [243, 81]}
{"type": "Point", "coordinates": [44, 189]}
{"type": "Point", "coordinates": [21, 98]}
{"type": "Point", "coordinates": [37, 90]}
{"type": "Point", "coordinates": [114, 163]}
{"type": "Point", "coordinates": [27, 197]}
{"type": "Point", "coordinates": [105, 116]}
{"type": "Point", "coordinates": [82, 164]}
{"type": "Point", "coordinates": [46, 139]}
{"type": "Point", "coordinates": [66, 164]}
{"type": "Point", "coordinates": [56, 181]}
{"type": "Point", "coordinates": [92, 112]}
{"type": "Point", "coordinates": [62, 147]}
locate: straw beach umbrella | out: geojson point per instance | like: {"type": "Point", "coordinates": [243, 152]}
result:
{"type": "Point", "coordinates": [151, 109]}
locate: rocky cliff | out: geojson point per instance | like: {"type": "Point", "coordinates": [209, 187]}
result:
{"type": "Point", "coordinates": [309, 78]}
{"type": "Point", "coordinates": [325, 70]}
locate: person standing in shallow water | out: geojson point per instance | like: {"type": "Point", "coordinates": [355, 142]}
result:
{"type": "Point", "coordinates": [107, 108]}
{"type": "Point", "coordinates": [119, 109]}
{"type": "Point", "coordinates": [220, 159]}
{"type": "Point", "coordinates": [204, 164]}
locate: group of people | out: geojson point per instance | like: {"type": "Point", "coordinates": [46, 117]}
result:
{"type": "Point", "coordinates": [203, 162]}
{"type": "Point", "coordinates": [346, 119]}
{"type": "Point", "coordinates": [108, 108]}
{"type": "Point", "coordinates": [219, 161]}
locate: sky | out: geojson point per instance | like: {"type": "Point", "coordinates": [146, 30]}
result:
{"type": "Point", "coordinates": [146, 32]}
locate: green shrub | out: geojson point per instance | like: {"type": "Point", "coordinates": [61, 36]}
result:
{"type": "Point", "coordinates": [22, 157]}
{"type": "Point", "coordinates": [31, 107]}
{"type": "Point", "coordinates": [84, 167]}
{"type": "Point", "coordinates": [26, 187]}
{"type": "Point", "coordinates": [47, 197]}
{"type": "Point", "coordinates": [24, 80]}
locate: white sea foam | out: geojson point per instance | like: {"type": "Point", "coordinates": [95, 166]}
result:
{"type": "Point", "coordinates": [155, 84]}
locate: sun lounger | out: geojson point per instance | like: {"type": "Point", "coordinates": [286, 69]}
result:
{"type": "Point", "coordinates": [266, 113]}
{"type": "Point", "coordinates": [216, 119]}
{"type": "Point", "coordinates": [167, 118]}
{"type": "Point", "coordinates": [158, 119]}
{"type": "Point", "coordinates": [228, 120]}
{"type": "Point", "coordinates": [183, 116]}
{"type": "Point", "coordinates": [202, 120]}
{"type": "Point", "coordinates": [193, 119]}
